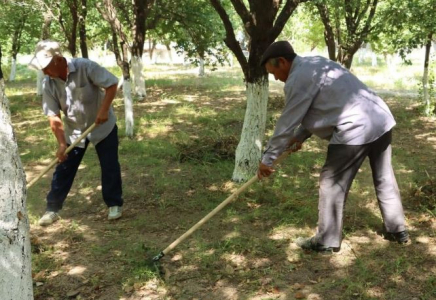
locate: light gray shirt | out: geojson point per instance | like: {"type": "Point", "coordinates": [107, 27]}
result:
{"type": "Point", "coordinates": [325, 99]}
{"type": "Point", "coordinates": [79, 98]}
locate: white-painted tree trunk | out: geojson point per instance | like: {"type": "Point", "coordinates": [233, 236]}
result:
{"type": "Point", "coordinates": [170, 55]}
{"type": "Point", "coordinates": [230, 59]}
{"type": "Point", "coordinates": [374, 59]}
{"type": "Point", "coordinates": [425, 91]}
{"type": "Point", "coordinates": [13, 70]}
{"type": "Point", "coordinates": [138, 77]}
{"type": "Point", "coordinates": [128, 107]}
{"type": "Point", "coordinates": [201, 68]}
{"type": "Point", "coordinates": [249, 150]}
{"type": "Point", "coordinates": [425, 78]}
{"type": "Point", "coordinates": [15, 262]}
{"type": "Point", "coordinates": [39, 78]}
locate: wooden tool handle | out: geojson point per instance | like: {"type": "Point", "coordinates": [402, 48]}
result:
{"type": "Point", "coordinates": [55, 161]}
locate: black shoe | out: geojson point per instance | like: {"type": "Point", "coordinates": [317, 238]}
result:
{"type": "Point", "coordinates": [401, 237]}
{"type": "Point", "coordinates": [313, 245]}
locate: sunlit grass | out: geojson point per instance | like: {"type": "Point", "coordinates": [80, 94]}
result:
{"type": "Point", "coordinates": [174, 174]}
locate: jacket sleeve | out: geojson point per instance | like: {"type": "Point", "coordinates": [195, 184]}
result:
{"type": "Point", "coordinates": [299, 94]}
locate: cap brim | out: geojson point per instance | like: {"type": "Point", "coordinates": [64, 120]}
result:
{"type": "Point", "coordinates": [40, 63]}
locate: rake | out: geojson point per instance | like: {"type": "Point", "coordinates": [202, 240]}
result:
{"type": "Point", "coordinates": [55, 161]}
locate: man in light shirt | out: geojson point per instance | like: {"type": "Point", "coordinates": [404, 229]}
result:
{"type": "Point", "coordinates": [325, 99]}
{"type": "Point", "coordinates": [83, 92]}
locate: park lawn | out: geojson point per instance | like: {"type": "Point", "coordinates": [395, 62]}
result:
{"type": "Point", "coordinates": [177, 168]}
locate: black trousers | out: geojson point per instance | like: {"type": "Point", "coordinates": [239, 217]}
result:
{"type": "Point", "coordinates": [63, 177]}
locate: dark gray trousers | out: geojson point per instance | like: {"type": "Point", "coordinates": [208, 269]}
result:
{"type": "Point", "coordinates": [338, 172]}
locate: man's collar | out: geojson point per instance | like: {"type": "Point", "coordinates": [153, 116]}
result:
{"type": "Point", "coordinates": [71, 67]}
{"type": "Point", "coordinates": [295, 61]}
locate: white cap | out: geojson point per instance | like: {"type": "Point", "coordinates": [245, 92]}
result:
{"type": "Point", "coordinates": [44, 52]}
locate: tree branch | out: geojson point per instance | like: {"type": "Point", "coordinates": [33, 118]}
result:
{"type": "Point", "coordinates": [230, 38]}
{"type": "Point", "coordinates": [283, 17]}
{"type": "Point", "coordinates": [242, 11]}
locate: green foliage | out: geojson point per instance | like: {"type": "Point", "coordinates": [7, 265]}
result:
{"type": "Point", "coordinates": [249, 244]}
{"type": "Point", "coordinates": [304, 29]}
{"type": "Point", "coordinates": [196, 29]}
{"type": "Point", "coordinates": [14, 14]}
{"type": "Point", "coordinates": [407, 24]}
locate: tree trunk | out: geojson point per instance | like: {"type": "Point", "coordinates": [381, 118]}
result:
{"type": "Point", "coordinates": [16, 44]}
{"type": "Point", "coordinates": [70, 32]}
{"type": "Point", "coordinates": [170, 54]}
{"type": "Point", "coordinates": [425, 87]}
{"type": "Point", "coordinates": [249, 150]}
{"type": "Point", "coordinates": [45, 34]}
{"type": "Point", "coordinates": [1, 71]}
{"type": "Point", "coordinates": [138, 77]}
{"type": "Point", "coordinates": [128, 106]}
{"type": "Point", "coordinates": [109, 13]}
{"type": "Point", "coordinates": [201, 68]}
{"type": "Point", "coordinates": [15, 262]}
{"type": "Point", "coordinates": [39, 78]}
{"type": "Point", "coordinates": [127, 86]}
{"type": "Point", "coordinates": [153, 47]}
{"type": "Point", "coordinates": [82, 29]}
{"type": "Point", "coordinates": [263, 21]}
{"type": "Point", "coordinates": [13, 69]}
{"type": "Point", "coordinates": [329, 36]}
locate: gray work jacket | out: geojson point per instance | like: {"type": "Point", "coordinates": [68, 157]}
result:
{"type": "Point", "coordinates": [325, 99]}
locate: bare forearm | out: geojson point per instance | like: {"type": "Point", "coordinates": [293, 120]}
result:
{"type": "Point", "coordinates": [58, 129]}
{"type": "Point", "coordinates": [103, 113]}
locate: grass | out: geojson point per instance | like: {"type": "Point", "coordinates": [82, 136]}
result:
{"type": "Point", "coordinates": [177, 168]}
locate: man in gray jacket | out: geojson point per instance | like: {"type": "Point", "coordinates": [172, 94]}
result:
{"type": "Point", "coordinates": [325, 99]}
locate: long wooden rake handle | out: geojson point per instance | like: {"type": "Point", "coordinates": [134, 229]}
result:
{"type": "Point", "coordinates": [216, 210]}
{"type": "Point", "coordinates": [55, 161]}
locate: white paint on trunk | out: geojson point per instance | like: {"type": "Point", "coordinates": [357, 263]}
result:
{"type": "Point", "coordinates": [128, 107]}
{"type": "Point", "coordinates": [392, 64]}
{"type": "Point", "coordinates": [201, 68]}
{"type": "Point", "coordinates": [425, 91]}
{"type": "Point", "coordinates": [374, 59]}
{"type": "Point", "coordinates": [170, 56]}
{"type": "Point", "coordinates": [13, 70]}
{"type": "Point", "coordinates": [138, 77]}
{"type": "Point", "coordinates": [39, 78]}
{"type": "Point", "coordinates": [249, 150]}
{"type": "Point", "coordinates": [120, 83]}
{"type": "Point", "coordinates": [15, 262]}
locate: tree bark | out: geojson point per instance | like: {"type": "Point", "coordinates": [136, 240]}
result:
{"type": "Point", "coordinates": [128, 106]}
{"type": "Point", "coordinates": [329, 36]}
{"type": "Point", "coordinates": [138, 77]}
{"type": "Point", "coordinates": [141, 10]}
{"type": "Point", "coordinates": [16, 43]}
{"type": "Point", "coordinates": [249, 150]}
{"type": "Point", "coordinates": [425, 87]}
{"type": "Point", "coordinates": [45, 34]}
{"type": "Point", "coordinates": [1, 71]}
{"type": "Point", "coordinates": [350, 39]}
{"type": "Point", "coordinates": [82, 29]}
{"type": "Point", "coordinates": [13, 69]}
{"type": "Point", "coordinates": [70, 33]}
{"type": "Point", "coordinates": [109, 13]}
{"type": "Point", "coordinates": [15, 262]}
{"type": "Point", "coordinates": [263, 22]}
{"type": "Point", "coordinates": [201, 72]}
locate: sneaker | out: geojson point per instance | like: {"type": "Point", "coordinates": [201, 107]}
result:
{"type": "Point", "coordinates": [115, 212]}
{"type": "Point", "coordinates": [401, 237]}
{"type": "Point", "coordinates": [48, 218]}
{"type": "Point", "coordinates": [312, 245]}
